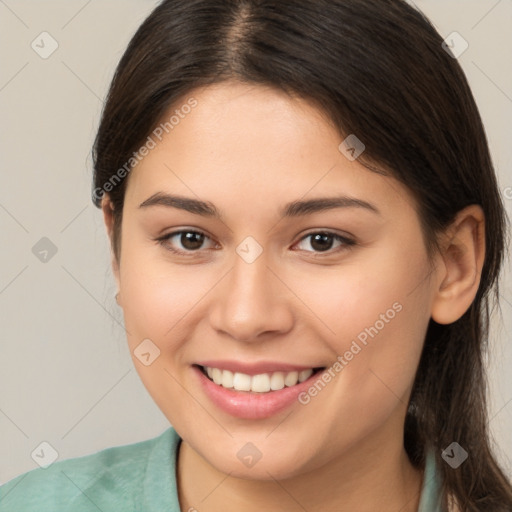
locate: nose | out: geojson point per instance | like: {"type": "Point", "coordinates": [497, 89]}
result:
{"type": "Point", "coordinates": [251, 303]}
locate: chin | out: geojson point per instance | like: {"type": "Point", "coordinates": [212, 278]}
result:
{"type": "Point", "coordinates": [259, 460]}
{"type": "Point", "coordinates": [266, 469]}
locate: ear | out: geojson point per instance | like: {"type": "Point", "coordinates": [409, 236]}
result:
{"type": "Point", "coordinates": [462, 255]}
{"type": "Point", "coordinates": [108, 217]}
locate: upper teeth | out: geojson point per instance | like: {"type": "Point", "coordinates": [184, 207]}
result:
{"type": "Point", "coordinates": [260, 383]}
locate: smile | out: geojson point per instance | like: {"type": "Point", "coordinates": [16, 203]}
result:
{"type": "Point", "coordinates": [260, 383]}
{"type": "Point", "coordinates": [253, 391]}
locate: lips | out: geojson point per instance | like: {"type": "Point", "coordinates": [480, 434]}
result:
{"type": "Point", "coordinates": [253, 391]}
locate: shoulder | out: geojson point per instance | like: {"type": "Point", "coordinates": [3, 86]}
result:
{"type": "Point", "coordinates": [112, 479]}
{"type": "Point", "coordinates": [431, 495]}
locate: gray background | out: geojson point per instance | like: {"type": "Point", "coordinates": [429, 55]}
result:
{"type": "Point", "coordinates": [66, 376]}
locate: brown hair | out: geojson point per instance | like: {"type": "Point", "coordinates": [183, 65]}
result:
{"type": "Point", "coordinates": [377, 69]}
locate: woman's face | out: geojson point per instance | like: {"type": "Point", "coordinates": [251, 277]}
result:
{"type": "Point", "coordinates": [300, 259]}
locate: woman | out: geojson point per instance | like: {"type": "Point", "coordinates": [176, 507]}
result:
{"type": "Point", "coordinates": [306, 230]}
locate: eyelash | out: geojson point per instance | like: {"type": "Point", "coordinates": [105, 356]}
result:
{"type": "Point", "coordinates": [346, 242]}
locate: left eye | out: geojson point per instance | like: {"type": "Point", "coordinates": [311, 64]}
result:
{"type": "Point", "coordinates": [324, 241]}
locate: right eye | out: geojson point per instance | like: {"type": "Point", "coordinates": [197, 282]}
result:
{"type": "Point", "coordinates": [190, 240]}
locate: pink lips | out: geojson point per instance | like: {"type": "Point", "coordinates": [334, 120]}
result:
{"type": "Point", "coordinates": [246, 404]}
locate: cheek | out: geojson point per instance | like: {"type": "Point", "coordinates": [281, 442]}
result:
{"type": "Point", "coordinates": [366, 388]}
{"type": "Point", "coordinates": [377, 313]}
{"type": "Point", "coordinates": [160, 301]}
{"type": "Point", "coordinates": [381, 287]}
{"type": "Point", "coordinates": [158, 295]}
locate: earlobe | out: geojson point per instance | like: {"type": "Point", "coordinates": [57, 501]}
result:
{"type": "Point", "coordinates": [463, 254]}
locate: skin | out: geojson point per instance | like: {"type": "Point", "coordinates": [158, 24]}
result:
{"type": "Point", "coordinates": [249, 150]}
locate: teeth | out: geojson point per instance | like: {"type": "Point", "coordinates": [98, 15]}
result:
{"type": "Point", "coordinates": [305, 374]}
{"type": "Point", "coordinates": [227, 379]}
{"type": "Point", "coordinates": [261, 383]}
{"type": "Point", "coordinates": [291, 379]}
{"type": "Point", "coordinates": [217, 375]}
{"type": "Point", "coordinates": [242, 382]}
{"type": "Point", "coordinates": [277, 381]}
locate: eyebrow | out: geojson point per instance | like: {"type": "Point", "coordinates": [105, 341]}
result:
{"type": "Point", "coordinates": [293, 209]}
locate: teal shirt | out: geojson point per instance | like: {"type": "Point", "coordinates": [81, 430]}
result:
{"type": "Point", "coordinates": [139, 477]}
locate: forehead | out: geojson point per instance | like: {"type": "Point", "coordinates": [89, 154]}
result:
{"type": "Point", "coordinates": [243, 140]}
